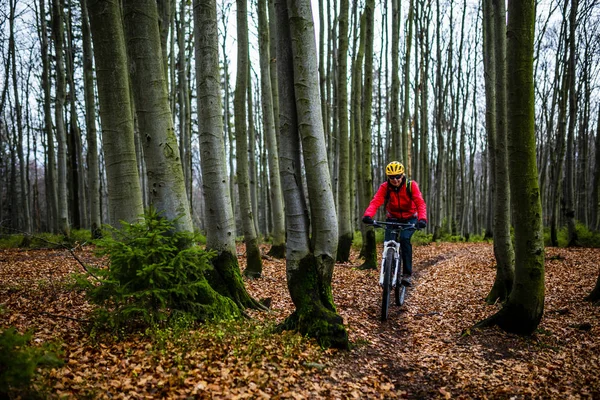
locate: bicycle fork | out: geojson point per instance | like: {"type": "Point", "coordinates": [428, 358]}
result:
{"type": "Point", "coordinates": [390, 245]}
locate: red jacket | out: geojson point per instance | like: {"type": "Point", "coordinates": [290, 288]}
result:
{"type": "Point", "coordinates": [399, 205]}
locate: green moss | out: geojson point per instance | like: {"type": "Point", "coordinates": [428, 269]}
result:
{"type": "Point", "coordinates": [226, 279]}
{"type": "Point", "coordinates": [315, 313]}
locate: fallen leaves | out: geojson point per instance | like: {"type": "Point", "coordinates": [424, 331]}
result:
{"type": "Point", "coordinates": [425, 350]}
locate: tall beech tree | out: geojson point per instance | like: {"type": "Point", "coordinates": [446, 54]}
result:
{"type": "Point", "coordinates": [343, 200]}
{"type": "Point", "coordinates": [93, 170]}
{"type": "Point", "coordinates": [523, 311]}
{"type": "Point", "coordinates": [220, 235]}
{"type": "Point", "coordinates": [276, 196]}
{"type": "Point", "coordinates": [59, 120]}
{"type": "Point", "coordinates": [122, 178]}
{"type": "Point", "coordinates": [309, 266]}
{"type": "Point", "coordinates": [494, 19]}
{"type": "Point", "coordinates": [164, 171]}
{"type": "Point", "coordinates": [253, 259]}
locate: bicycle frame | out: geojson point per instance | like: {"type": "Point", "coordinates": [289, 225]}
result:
{"type": "Point", "coordinates": [387, 279]}
{"type": "Point", "coordinates": [390, 245]}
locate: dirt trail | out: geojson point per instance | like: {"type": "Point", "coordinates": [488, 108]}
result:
{"type": "Point", "coordinates": [426, 349]}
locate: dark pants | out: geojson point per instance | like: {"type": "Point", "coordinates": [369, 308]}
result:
{"type": "Point", "coordinates": [405, 244]}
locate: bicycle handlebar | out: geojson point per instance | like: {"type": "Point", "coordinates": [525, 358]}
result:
{"type": "Point", "coordinates": [395, 225]}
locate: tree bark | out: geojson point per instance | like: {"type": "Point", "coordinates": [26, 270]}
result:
{"type": "Point", "coordinates": [277, 212]}
{"type": "Point", "coordinates": [161, 152]}
{"type": "Point", "coordinates": [344, 211]}
{"type": "Point", "coordinates": [123, 183]}
{"type": "Point", "coordinates": [253, 259]}
{"type": "Point", "coordinates": [61, 133]}
{"type": "Point", "coordinates": [309, 273]}
{"type": "Point", "coordinates": [523, 311]}
{"type": "Point", "coordinates": [90, 123]}
{"type": "Point", "coordinates": [570, 155]}
{"type": "Point", "coordinates": [220, 235]}
{"type": "Point", "coordinates": [503, 250]}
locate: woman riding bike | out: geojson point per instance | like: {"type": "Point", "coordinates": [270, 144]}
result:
{"type": "Point", "coordinates": [403, 203]}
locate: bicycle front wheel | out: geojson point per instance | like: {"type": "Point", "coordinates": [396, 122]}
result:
{"type": "Point", "coordinates": [400, 289]}
{"type": "Point", "coordinates": [388, 267]}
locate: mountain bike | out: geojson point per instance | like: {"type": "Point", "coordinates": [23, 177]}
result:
{"type": "Point", "coordinates": [390, 275]}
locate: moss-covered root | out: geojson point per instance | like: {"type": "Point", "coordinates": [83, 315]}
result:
{"type": "Point", "coordinates": [210, 305]}
{"type": "Point", "coordinates": [344, 246]}
{"type": "Point", "coordinates": [227, 281]}
{"type": "Point", "coordinates": [501, 288]}
{"type": "Point", "coordinates": [277, 251]}
{"type": "Point", "coordinates": [513, 318]}
{"type": "Point", "coordinates": [321, 324]}
{"type": "Point", "coordinates": [315, 313]}
{"type": "Point", "coordinates": [253, 260]}
{"type": "Point", "coordinates": [369, 251]}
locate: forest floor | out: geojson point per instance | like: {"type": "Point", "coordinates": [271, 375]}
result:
{"type": "Point", "coordinates": [426, 349]}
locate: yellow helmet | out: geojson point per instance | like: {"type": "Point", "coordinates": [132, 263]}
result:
{"type": "Point", "coordinates": [394, 168]}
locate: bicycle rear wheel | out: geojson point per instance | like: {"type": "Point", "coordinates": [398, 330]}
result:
{"type": "Point", "coordinates": [387, 284]}
{"type": "Point", "coordinates": [400, 291]}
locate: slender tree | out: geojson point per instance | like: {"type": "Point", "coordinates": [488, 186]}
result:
{"type": "Point", "coordinates": [309, 268]}
{"type": "Point", "coordinates": [161, 152]}
{"type": "Point", "coordinates": [569, 194]}
{"type": "Point", "coordinates": [253, 259]}
{"type": "Point", "coordinates": [25, 213]}
{"type": "Point", "coordinates": [503, 250]}
{"type": "Point", "coordinates": [344, 212]}
{"type": "Point", "coordinates": [61, 133]}
{"type": "Point", "coordinates": [122, 178]}
{"type": "Point", "coordinates": [523, 311]}
{"type": "Point", "coordinates": [51, 177]}
{"type": "Point", "coordinates": [276, 196]}
{"type": "Point", "coordinates": [93, 168]}
{"type": "Point", "coordinates": [220, 235]}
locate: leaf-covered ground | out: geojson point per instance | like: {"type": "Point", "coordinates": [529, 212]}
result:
{"type": "Point", "coordinates": [424, 350]}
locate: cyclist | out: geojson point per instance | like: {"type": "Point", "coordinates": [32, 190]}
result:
{"type": "Point", "coordinates": [403, 203]}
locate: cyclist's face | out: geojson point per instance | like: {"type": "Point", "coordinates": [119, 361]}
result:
{"type": "Point", "coordinates": [395, 179]}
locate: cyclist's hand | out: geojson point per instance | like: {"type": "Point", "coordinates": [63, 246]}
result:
{"type": "Point", "coordinates": [422, 224]}
{"type": "Point", "coordinates": [367, 220]}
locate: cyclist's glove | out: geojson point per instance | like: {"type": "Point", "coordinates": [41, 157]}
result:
{"type": "Point", "coordinates": [422, 224]}
{"type": "Point", "coordinates": [367, 220]}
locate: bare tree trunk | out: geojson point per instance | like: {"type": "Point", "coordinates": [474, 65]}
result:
{"type": "Point", "coordinates": [525, 306]}
{"type": "Point", "coordinates": [570, 162]}
{"type": "Point", "coordinates": [406, 140]}
{"type": "Point", "coordinates": [24, 209]}
{"type": "Point", "coordinates": [220, 236]}
{"type": "Point", "coordinates": [61, 134]}
{"type": "Point", "coordinates": [51, 177]}
{"type": "Point", "coordinates": [76, 166]}
{"type": "Point", "coordinates": [309, 273]}
{"type": "Point", "coordinates": [344, 213]}
{"type": "Point", "coordinates": [503, 249]}
{"type": "Point", "coordinates": [395, 149]}
{"type": "Point", "coordinates": [276, 196]}
{"type": "Point", "coordinates": [90, 123]}
{"type": "Point", "coordinates": [254, 262]}
{"type": "Point", "coordinates": [161, 151]}
{"type": "Point", "coordinates": [123, 182]}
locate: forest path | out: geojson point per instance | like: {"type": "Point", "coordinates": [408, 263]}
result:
{"type": "Point", "coordinates": [424, 350]}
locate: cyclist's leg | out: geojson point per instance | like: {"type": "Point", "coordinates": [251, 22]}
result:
{"type": "Point", "coordinates": [406, 247]}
